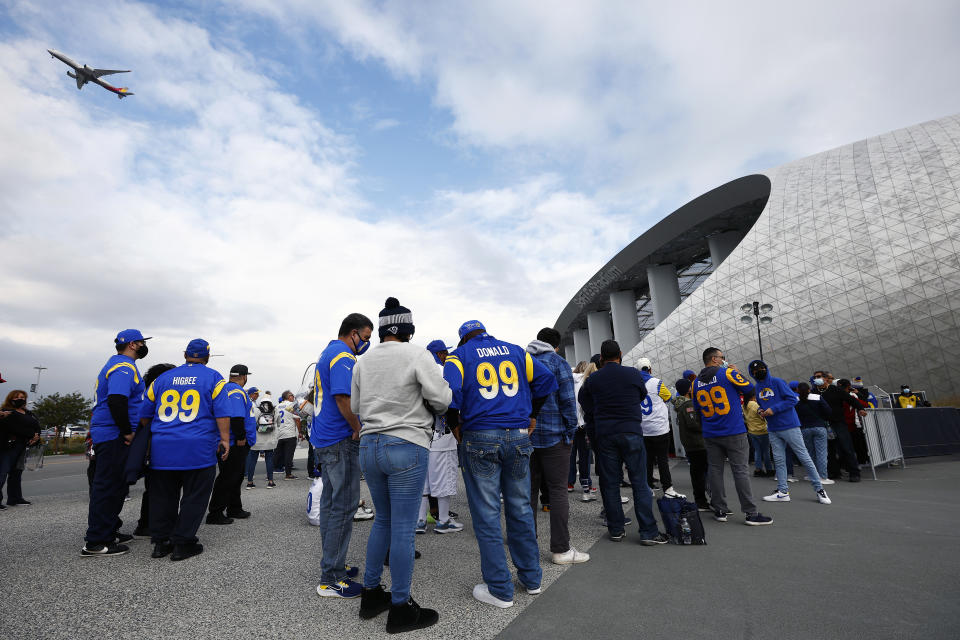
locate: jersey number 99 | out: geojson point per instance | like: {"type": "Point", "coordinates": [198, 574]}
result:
{"type": "Point", "coordinates": [713, 403]}
{"type": "Point", "coordinates": [491, 385]}
{"type": "Point", "coordinates": [173, 405]}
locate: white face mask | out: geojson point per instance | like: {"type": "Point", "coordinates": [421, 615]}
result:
{"type": "Point", "coordinates": [906, 390]}
{"type": "Point", "coordinates": [818, 381]}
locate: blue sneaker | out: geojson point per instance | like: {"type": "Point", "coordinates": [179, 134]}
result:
{"type": "Point", "coordinates": [342, 589]}
{"type": "Point", "coordinates": [421, 526]}
{"type": "Point", "coordinates": [352, 572]}
{"type": "Point", "coordinates": [450, 526]}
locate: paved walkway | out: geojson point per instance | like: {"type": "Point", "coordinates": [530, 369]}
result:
{"type": "Point", "coordinates": [881, 562]}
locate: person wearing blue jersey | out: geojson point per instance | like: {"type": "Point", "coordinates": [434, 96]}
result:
{"type": "Point", "coordinates": [243, 435]}
{"type": "Point", "coordinates": [716, 395]}
{"type": "Point", "coordinates": [189, 417]}
{"type": "Point", "coordinates": [778, 407]}
{"type": "Point", "coordinates": [118, 396]}
{"type": "Point", "coordinates": [335, 436]}
{"type": "Point", "coordinates": [498, 390]}
{"type": "Point", "coordinates": [613, 400]}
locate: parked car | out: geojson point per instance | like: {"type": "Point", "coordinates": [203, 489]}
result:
{"type": "Point", "coordinates": [76, 431]}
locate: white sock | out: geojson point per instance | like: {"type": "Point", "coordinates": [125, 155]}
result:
{"type": "Point", "coordinates": [424, 505]}
{"type": "Point", "coordinates": [443, 509]}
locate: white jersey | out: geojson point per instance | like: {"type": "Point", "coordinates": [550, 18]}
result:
{"type": "Point", "coordinates": [656, 420]}
{"type": "Point", "coordinates": [287, 420]}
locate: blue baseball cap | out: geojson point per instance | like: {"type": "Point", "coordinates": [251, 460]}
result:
{"type": "Point", "coordinates": [470, 325]}
{"type": "Point", "coordinates": [129, 335]}
{"type": "Point", "coordinates": [252, 390]}
{"type": "Point", "coordinates": [688, 373]}
{"type": "Point", "coordinates": [793, 385]}
{"type": "Point", "coordinates": [437, 346]}
{"type": "Point", "coordinates": [197, 348]}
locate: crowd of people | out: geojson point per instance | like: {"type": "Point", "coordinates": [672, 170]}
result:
{"type": "Point", "coordinates": [518, 423]}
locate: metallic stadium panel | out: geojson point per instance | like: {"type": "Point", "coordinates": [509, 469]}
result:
{"type": "Point", "coordinates": [857, 248]}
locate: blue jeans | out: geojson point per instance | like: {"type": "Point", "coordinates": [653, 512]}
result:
{"type": "Point", "coordinates": [252, 458]}
{"type": "Point", "coordinates": [779, 441]}
{"type": "Point", "coordinates": [338, 504]}
{"type": "Point", "coordinates": [497, 461]}
{"type": "Point", "coordinates": [580, 449]}
{"type": "Point", "coordinates": [815, 439]}
{"type": "Point", "coordinates": [613, 451]}
{"type": "Point", "coordinates": [395, 470]}
{"type": "Point", "coordinates": [761, 451]}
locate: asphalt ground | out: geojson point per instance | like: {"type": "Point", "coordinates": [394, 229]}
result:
{"type": "Point", "coordinates": [880, 562]}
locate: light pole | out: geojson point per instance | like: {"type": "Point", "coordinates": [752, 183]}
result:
{"type": "Point", "coordinates": [37, 385]}
{"type": "Point", "coordinates": [756, 308]}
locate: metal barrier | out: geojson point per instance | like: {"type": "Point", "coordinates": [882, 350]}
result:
{"type": "Point", "coordinates": [883, 439]}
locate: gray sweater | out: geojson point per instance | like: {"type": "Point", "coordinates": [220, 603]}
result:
{"type": "Point", "coordinates": [389, 387]}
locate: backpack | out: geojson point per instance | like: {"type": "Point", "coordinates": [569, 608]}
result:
{"type": "Point", "coordinates": [681, 519]}
{"type": "Point", "coordinates": [266, 417]}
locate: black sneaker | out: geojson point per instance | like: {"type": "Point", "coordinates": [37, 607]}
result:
{"type": "Point", "coordinates": [720, 515]}
{"type": "Point", "coordinates": [218, 518]}
{"type": "Point", "coordinates": [20, 503]}
{"type": "Point", "coordinates": [410, 617]}
{"type": "Point", "coordinates": [123, 538]}
{"type": "Point", "coordinates": [373, 602]}
{"type": "Point", "coordinates": [758, 519]}
{"type": "Point", "coordinates": [161, 550]}
{"type": "Point", "coordinates": [184, 551]}
{"type": "Point", "coordinates": [3, 507]}
{"type": "Point", "coordinates": [661, 538]}
{"type": "Point", "coordinates": [616, 537]}
{"type": "Point", "coordinates": [238, 514]}
{"type": "Point", "coordinates": [90, 550]}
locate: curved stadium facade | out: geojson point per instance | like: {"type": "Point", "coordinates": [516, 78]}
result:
{"type": "Point", "coordinates": [857, 249]}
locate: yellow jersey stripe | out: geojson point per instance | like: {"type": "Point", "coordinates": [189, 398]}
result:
{"type": "Point", "coordinates": [456, 362]}
{"type": "Point", "coordinates": [136, 378]}
{"type": "Point", "coordinates": [342, 355]}
{"type": "Point", "coordinates": [150, 393]}
{"type": "Point", "coordinates": [217, 389]}
{"type": "Point", "coordinates": [233, 391]}
{"type": "Point", "coordinates": [664, 393]}
{"type": "Point", "coordinates": [529, 362]}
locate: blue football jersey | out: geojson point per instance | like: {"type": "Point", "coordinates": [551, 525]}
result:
{"type": "Point", "coordinates": [332, 376]}
{"type": "Point", "coordinates": [716, 395]}
{"type": "Point", "coordinates": [119, 376]}
{"type": "Point", "coordinates": [185, 403]}
{"type": "Point", "coordinates": [241, 407]}
{"type": "Point", "coordinates": [494, 383]}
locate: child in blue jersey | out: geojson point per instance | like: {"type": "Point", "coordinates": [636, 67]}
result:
{"type": "Point", "coordinates": [118, 396]}
{"type": "Point", "coordinates": [498, 389]}
{"type": "Point", "coordinates": [189, 423]}
{"type": "Point", "coordinates": [716, 396]}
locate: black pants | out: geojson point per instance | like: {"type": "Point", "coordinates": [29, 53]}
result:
{"type": "Point", "coordinates": [283, 456]}
{"type": "Point", "coordinates": [549, 466]}
{"type": "Point", "coordinates": [107, 492]}
{"type": "Point", "coordinates": [658, 452]}
{"type": "Point", "coordinates": [841, 454]}
{"type": "Point", "coordinates": [227, 487]}
{"type": "Point", "coordinates": [167, 522]}
{"type": "Point", "coordinates": [144, 521]}
{"type": "Point", "coordinates": [698, 475]}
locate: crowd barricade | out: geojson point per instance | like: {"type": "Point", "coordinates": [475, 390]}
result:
{"type": "Point", "coordinates": [883, 439]}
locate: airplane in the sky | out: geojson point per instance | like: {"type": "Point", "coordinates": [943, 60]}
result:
{"type": "Point", "coordinates": [84, 74]}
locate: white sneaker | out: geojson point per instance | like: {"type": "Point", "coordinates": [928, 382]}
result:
{"type": "Point", "coordinates": [670, 493]}
{"type": "Point", "coordinates": [777, 497]}
{"type": "Point", "coordinates": [570, 556]}
{"type": "Point", "coordinates": [827, 481]}
{"type": "Point", "coordinates": [482, 593]}
{"type": "Point", "coordinates": [624, 499]}
{"type": "Point", "coordinates": [792, 479]}
{"type": "Point", "coordinates": [588, 496]}
{"type": "Point", "coordinates": [533, 592]}
{"type": "Point", "coordinates": [363, 513]}
{"type": "Point", "coordinates": [822, 497]}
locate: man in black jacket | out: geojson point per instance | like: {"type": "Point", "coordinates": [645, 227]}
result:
{"type": "Point", "coordinates": [611, 400]}
{"type": "Point", "coordinates": [838, 396]}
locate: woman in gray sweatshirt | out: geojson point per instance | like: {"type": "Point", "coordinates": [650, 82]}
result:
{"type": "Point", "coordinates": [396, 391]}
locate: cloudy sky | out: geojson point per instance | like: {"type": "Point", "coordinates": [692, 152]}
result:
{"type": "Point", "coordinates": [286, 162]}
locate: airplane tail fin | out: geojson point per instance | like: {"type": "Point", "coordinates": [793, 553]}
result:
{"type": "Point", "coordinates": [123, 92]}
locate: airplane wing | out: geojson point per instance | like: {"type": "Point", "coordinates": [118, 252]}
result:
{"type": "Point", "coordinates": [106, 72]}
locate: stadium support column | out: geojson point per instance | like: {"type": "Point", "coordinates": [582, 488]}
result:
{"type": "Point", "coordinates": [570, 351]}
{"type": "Point", "coordinates": [598, 324]}
{"type": "Point", "coordinates": [626, 329]}
{"type": "Point", "coordinates": [722, 244]}
{"type": "Point", "coordinates": [664, 290]}
{"type": "Point", "coordinates": [581, 344]}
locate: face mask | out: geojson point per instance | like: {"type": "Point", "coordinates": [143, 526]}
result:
{"type": "Point", "coordinates": [19, 403]}
{"type": "Point", "coordinates": [723, 364]}
{"type": "Point", "coordinates": [818, 381]}
{"type": "Point", "coordinates": [906, 390]}
{"type": "Point", "coordinates": [362, 345]}
{"type": "Point", "coordinates": [760, 374]}
{"type": "Point", "coordinates": [142, 351]}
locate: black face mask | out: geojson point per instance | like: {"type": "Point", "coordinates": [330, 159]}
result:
{"type": "Point", "coordinates": [19, 403]}
{"type": "Point", "coordinates": [760, 373]}
{"type": "Point", "coordinates": [142, 351]}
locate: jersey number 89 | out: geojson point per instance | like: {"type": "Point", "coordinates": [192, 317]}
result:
{"type": "Point", "coordinates": [713, 403]}
{"type": "Point", "coordinates": [173, 405]}
{"type": "Point", "coordinates": [491, 385]}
